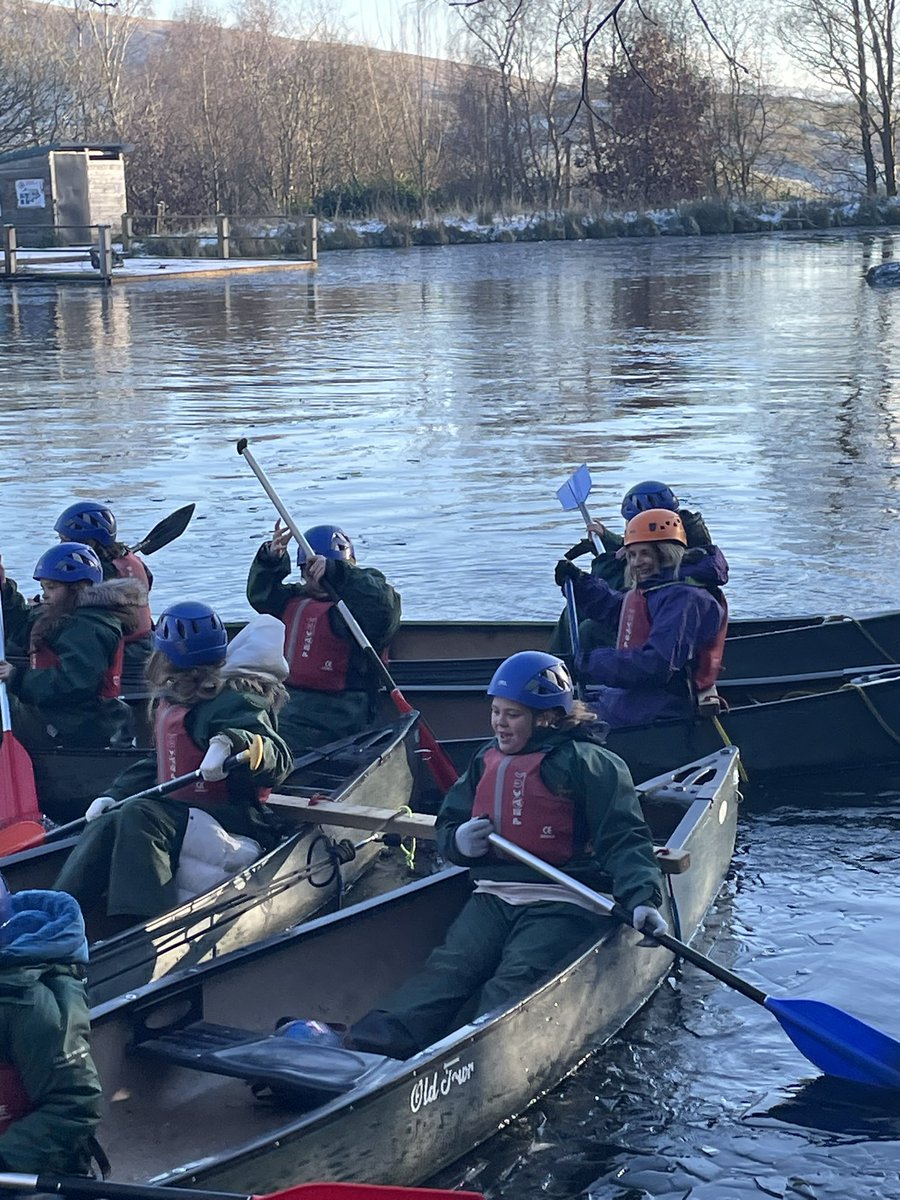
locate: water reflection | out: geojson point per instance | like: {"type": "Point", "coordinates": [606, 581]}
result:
{"type": "Point", "coordinates": [433, 399]}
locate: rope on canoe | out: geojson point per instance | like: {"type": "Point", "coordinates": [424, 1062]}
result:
{"type": "Point", "coordinates": [873, 641]}
{"type": "Point", "coordinates": [726, 741]}
{"type": "Point", "coordinates": [882, 723]}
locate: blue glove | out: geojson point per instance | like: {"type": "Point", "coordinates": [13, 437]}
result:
{"type": "Point", "coordinates": [648, 921]}
{"type": "Point", "coordinates": [472, 837]}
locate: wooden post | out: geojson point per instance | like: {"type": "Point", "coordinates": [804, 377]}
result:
{"type": "Point", "coordinates": [104, 253]}
{"type": "Point", "coordinates": [312, 238]}
{"type": "Point", "coordinates": [160, 213]}
{"type": "Point", "coordinates": [223, 233]}
{"type": "Point", "coordinates": [9, 249]}
{"type": "Point", "coordinates": [127, 232]}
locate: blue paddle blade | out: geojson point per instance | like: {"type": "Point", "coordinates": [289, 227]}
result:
{"type": "Point", "coordinates": [576, 489]}
{"type": "Point", "coordinates": [837, 1043]}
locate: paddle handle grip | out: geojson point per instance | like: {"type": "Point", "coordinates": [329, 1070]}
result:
{"type": "Point", "coordinates": [603, 904]}
{"type": "Point", "coordinates": [84, 1186]}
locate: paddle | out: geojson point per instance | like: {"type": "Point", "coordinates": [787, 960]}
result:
{"type": "Point", "coordinates": [831, 1039]}
{"type": "Point", "coordinates": [165, 531]}
{"type": "Point", "coordinates": [10, 843]}
{"type": "Point", "coordinates": [19, 806]}
{"type": "Point", "coordinates": [89, 1189]}
{"type": "Point", "coordinates": [573, 494]}
{"type": "Point", "coordinates": [443, 770]}
{"type": "Point", "coordinates": [574, 635]}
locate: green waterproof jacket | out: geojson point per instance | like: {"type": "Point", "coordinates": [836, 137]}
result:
{"type": "Point", "coordinates": [44, 1030]}
{"type": "Point", "coordinates": [239, 715]}
{"type": "Point", "coordinates": [599, 782]}
{"type": "Point", "coordinates": [45, 1035]}
{"type": "Point", "coordinates": [373, 602]}
{"type": "Point", "coordinates": [85, 642]}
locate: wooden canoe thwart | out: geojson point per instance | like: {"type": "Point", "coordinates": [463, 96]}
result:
{"type": "Point", "coordinates": [176, 1056]}
{"type": "Point", "coordinates": [417, 825]}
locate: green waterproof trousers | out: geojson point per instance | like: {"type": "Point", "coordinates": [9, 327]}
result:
{"type": "Point", "coordinates": [127, 859]}
{"type": "Point", "coordinates": [493, 954]}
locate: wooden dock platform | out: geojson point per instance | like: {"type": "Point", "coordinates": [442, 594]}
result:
{"type": "Point", "coordinates": [61, 267]}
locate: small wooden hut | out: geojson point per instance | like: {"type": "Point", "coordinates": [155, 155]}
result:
{"type": "Point", "coordinates": [56, 193]}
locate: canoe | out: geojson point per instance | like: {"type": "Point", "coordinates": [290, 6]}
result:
{"type": "Point", "coordinates": [343, 1114]}
{"type": "Point", "coordinates": [290, 883]}
{"type": "Point", "coordinates": [467, 653]}
{"type": "Point", "coordinates": [850, 728]}
{"type": "Point", "coordinates": [837, 722]}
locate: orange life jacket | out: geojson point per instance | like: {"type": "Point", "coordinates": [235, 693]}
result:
{"type": "Point", "coordinates": [635, 626]}
{"type": "Point", "coordinates": [110, 685]}
{"type": "Point", "coordinates": [523, 809]}
{"type": "Point", "coordinates": [15, 1102]}
{"type": "Point", "coordinates": [129, 566]}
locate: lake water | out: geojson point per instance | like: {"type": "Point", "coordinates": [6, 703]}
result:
{"type": "Point", "coordinates": [431, 401]}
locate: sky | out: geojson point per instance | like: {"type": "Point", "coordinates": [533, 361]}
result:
{"type": "Point", "coordinates": [376, 22]}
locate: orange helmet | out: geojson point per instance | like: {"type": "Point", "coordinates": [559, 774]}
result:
{"type": "Point", "coordinates": [655, 525]}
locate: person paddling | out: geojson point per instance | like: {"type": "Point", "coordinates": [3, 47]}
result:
{"type": "Point", "coordinates": [127, 860]}
{"type": "Point", "coordinates": [93, 524]}
{"type": "Point", "coordinates": [69, 693]}
{"type": "Point", "coordinates": [331, 684]}
{"type": "Point", "coordinates": [609, 565]}
{"type": "Point", "coordinates": [669, 624]}
{"type": "Point", "coordinates": [546, 783]}
{"type": "Point", "coordinates": [50, 1094]}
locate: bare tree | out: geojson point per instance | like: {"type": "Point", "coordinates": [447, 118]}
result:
{"type": "Point", "coordinates": [849, 46]}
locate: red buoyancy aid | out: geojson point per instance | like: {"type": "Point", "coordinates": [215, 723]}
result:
{"type": "Point", "coordinates": [317, 658]}
{"type": "Point", "coordinates": [177, 754]}
{"type": "Point", "coordinates": [110, 685]}
{"type": "Point", "coordinates": [129, 566]}
{"type": "Point", "coordinates": [15, 1102]}
{"type": "Point", "coordinates": [634, 632]}
{"type": "Point", "coordinates": [522, 807]}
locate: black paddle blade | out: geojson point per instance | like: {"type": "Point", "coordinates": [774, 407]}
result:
{"type": "Point", "coordinates": [837, 1043]}
{"type": "Point", "coordinates": [168, 529]}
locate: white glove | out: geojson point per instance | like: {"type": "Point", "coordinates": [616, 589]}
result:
{"type": "Point", "coordinates": [99, 806]}
{"type": "Point", "coordinates": [219, 750]}
{"type": "Point", "coordinates": [648, 921]}
{"type": "Point", "coordinates": [472, 837]}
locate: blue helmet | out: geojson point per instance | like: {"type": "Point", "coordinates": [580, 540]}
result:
{"type": "Point", "coordinates": [649, 494]}
{"type": "Point", "coordinates": [87, 519]}
{"type": "Point", "coordinates": [328, 540]}
{"type": "Point", "coordinates": [69, 562]}
{"type": "Point", "coordinates": [191, 634]}
{"type": "Point", "coordinates": [535, 679]}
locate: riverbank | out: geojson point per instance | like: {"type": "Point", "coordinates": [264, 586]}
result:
{"type": "Point", "coordinates": [284, 237]}
{"type": "Point", "coordinates": [696, 219]}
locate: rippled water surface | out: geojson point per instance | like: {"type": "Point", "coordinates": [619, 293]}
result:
{"type": "Point", "coordinates": [432, 401]}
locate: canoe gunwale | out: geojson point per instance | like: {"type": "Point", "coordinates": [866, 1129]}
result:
{"type": "Point", "coordinates": [264, 1158]}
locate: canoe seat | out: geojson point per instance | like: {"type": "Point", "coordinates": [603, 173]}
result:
{"type": "Point", "coordinates": [303, 1073]}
